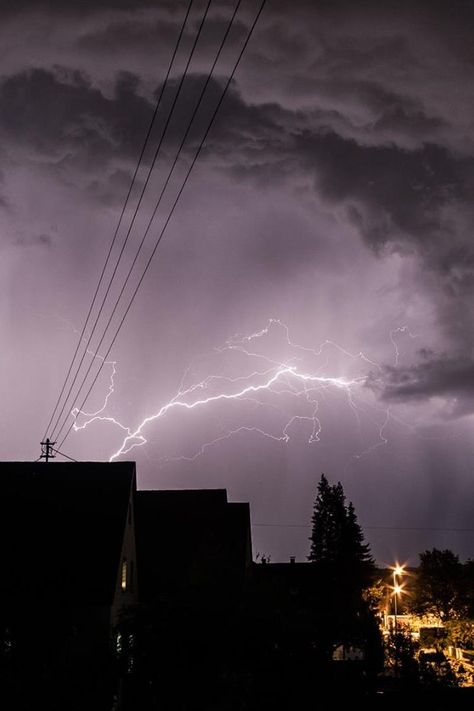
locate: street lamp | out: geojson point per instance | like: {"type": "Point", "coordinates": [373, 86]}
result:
{"type": "Point", "coordinates": [397, 589]}
{"type": "Point", "coordinates": [398, 571]}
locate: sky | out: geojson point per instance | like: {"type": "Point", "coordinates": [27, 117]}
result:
{"type": "Point", "coordinates": [309, 307]}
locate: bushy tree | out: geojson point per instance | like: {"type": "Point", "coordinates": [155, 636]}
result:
{"type": "Point", "coordinates": [461, 633]}
{"type": "Point", "coordinates": [438, 588]}
{"type": "Point", "coordinates": [401, 657]}
{"type": "Point", "coordinates": [467, 586]}
{"type": "Point", "coordinates": [436, 671]}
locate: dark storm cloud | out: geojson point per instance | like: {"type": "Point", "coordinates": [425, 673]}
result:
{"type": "Point", "coordinates": [390, 118]}
{"type": "Point", "coordinates": [434, 377]}
{"type": "Point", "coordinates": [403, 192]}
{"type": "Point", "coordinates": [13, 6]}
{"type": "Point", "coordinates": [61, 112]}
{"type": "Point", "coordinates": [50, 110]}
{"type": "Point", "coordinates": [60, 115]}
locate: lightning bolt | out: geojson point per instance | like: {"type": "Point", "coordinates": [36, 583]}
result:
{"type": "Point", "coordinates": [136, 438]}
{"type": "Point", "coordinates": [97, 416]}
{"type": "Point", "coordinates": [290, 378]}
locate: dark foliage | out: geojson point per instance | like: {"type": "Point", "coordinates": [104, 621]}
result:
{"type": "Point", "coordinates": [401, 659]}
{"type": "Point", "coordinates": [439, 586]}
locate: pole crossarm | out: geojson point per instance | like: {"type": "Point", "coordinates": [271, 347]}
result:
{"type": "Point", "coordinates": [47, 450]}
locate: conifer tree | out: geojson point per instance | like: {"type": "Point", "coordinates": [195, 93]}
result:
{"type": "Point", "coordinates": [337, 540]}
{"type": "Point", "coordinates": [328, 523]}
{"type": "Point", "coordinates": [343, 571]}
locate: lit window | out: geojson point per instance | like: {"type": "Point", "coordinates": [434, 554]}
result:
{"type": "Point", "coordinates": [124, 580]}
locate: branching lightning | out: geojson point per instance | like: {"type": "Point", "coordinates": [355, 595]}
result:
{"type": "Point", "coordinates": [271, 382]}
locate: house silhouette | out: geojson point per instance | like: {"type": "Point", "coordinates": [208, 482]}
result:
{"type": "Point", "coordinates": [192, 543]}
{"type": "Point", "coordinates": [86, 558]}
{"type": "Point", "coordinates": [68, 573]}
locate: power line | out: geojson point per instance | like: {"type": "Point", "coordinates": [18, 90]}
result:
{"type": "Point", "coordinates": [372, 528]}
{"type": "Point", "coordinates": [219, 103]}
{"type": "Point", "coordinates": [163, 190]}
{"type": "Point", "coordinates": [419, 528]}
{"type": "Point", "coordinates": [145, 143]}
{"type": "Point", "coordinates": [63, 455]}
{"type": "Point", "coordinates": [196, 108]}
{"type": "Point", "coordinates": [196, 39]}
{"type": "Point", "coordinates": [148, 133]}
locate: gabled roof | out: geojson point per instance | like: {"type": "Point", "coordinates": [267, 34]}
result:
{"type": "Point", "coordinates": [61, 530]}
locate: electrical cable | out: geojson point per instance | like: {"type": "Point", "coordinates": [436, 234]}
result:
{"type": "Point", "coordinates": [170, 173]}
{"type": "Point", "coordinates": [221, 99]}
{"type": "Point", "coordinates": [163, 132]}
{"type": "Point", "coordinates": [132, 183]}
{"type": "Point", "coordinates": [63, 455]}
{"type": "Point", "coordinates": [372, 528]}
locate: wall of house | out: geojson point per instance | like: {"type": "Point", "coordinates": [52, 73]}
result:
{"type": "Point", "coordinates": [126, 588]}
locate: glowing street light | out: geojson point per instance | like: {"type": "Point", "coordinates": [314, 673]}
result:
{"type": "Point", "coordinates": [398, 571]}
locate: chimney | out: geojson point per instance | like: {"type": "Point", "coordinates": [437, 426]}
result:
{"type": "Point", "coordinates": [292, 559]}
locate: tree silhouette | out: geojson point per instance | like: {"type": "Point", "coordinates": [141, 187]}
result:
{"type": "Point", "coordinates": [328, 521]}
{"type": "Point", "coordinates": [337, 540]}
{"type": "Point", "coordinates": [438, 585]}
{"type": "Point", "coordinates": [343, 571]}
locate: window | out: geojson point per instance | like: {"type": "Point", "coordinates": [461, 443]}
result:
{"type": "Point", "coordinates": [124, 576]}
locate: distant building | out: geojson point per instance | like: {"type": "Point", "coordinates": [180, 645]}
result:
{"type": "Point", "coordinates": [282, 582]}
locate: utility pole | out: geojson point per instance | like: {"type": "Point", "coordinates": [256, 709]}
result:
{"type": "Point", "coordinates": [395, 596]}
{"type": "Point", "coordinates": [47, 449]}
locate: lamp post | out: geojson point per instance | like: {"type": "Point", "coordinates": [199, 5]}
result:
{"type": "Point", "coordinates": [398, 571]}
{"type": "Point", "coordinates": [396, 592]}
